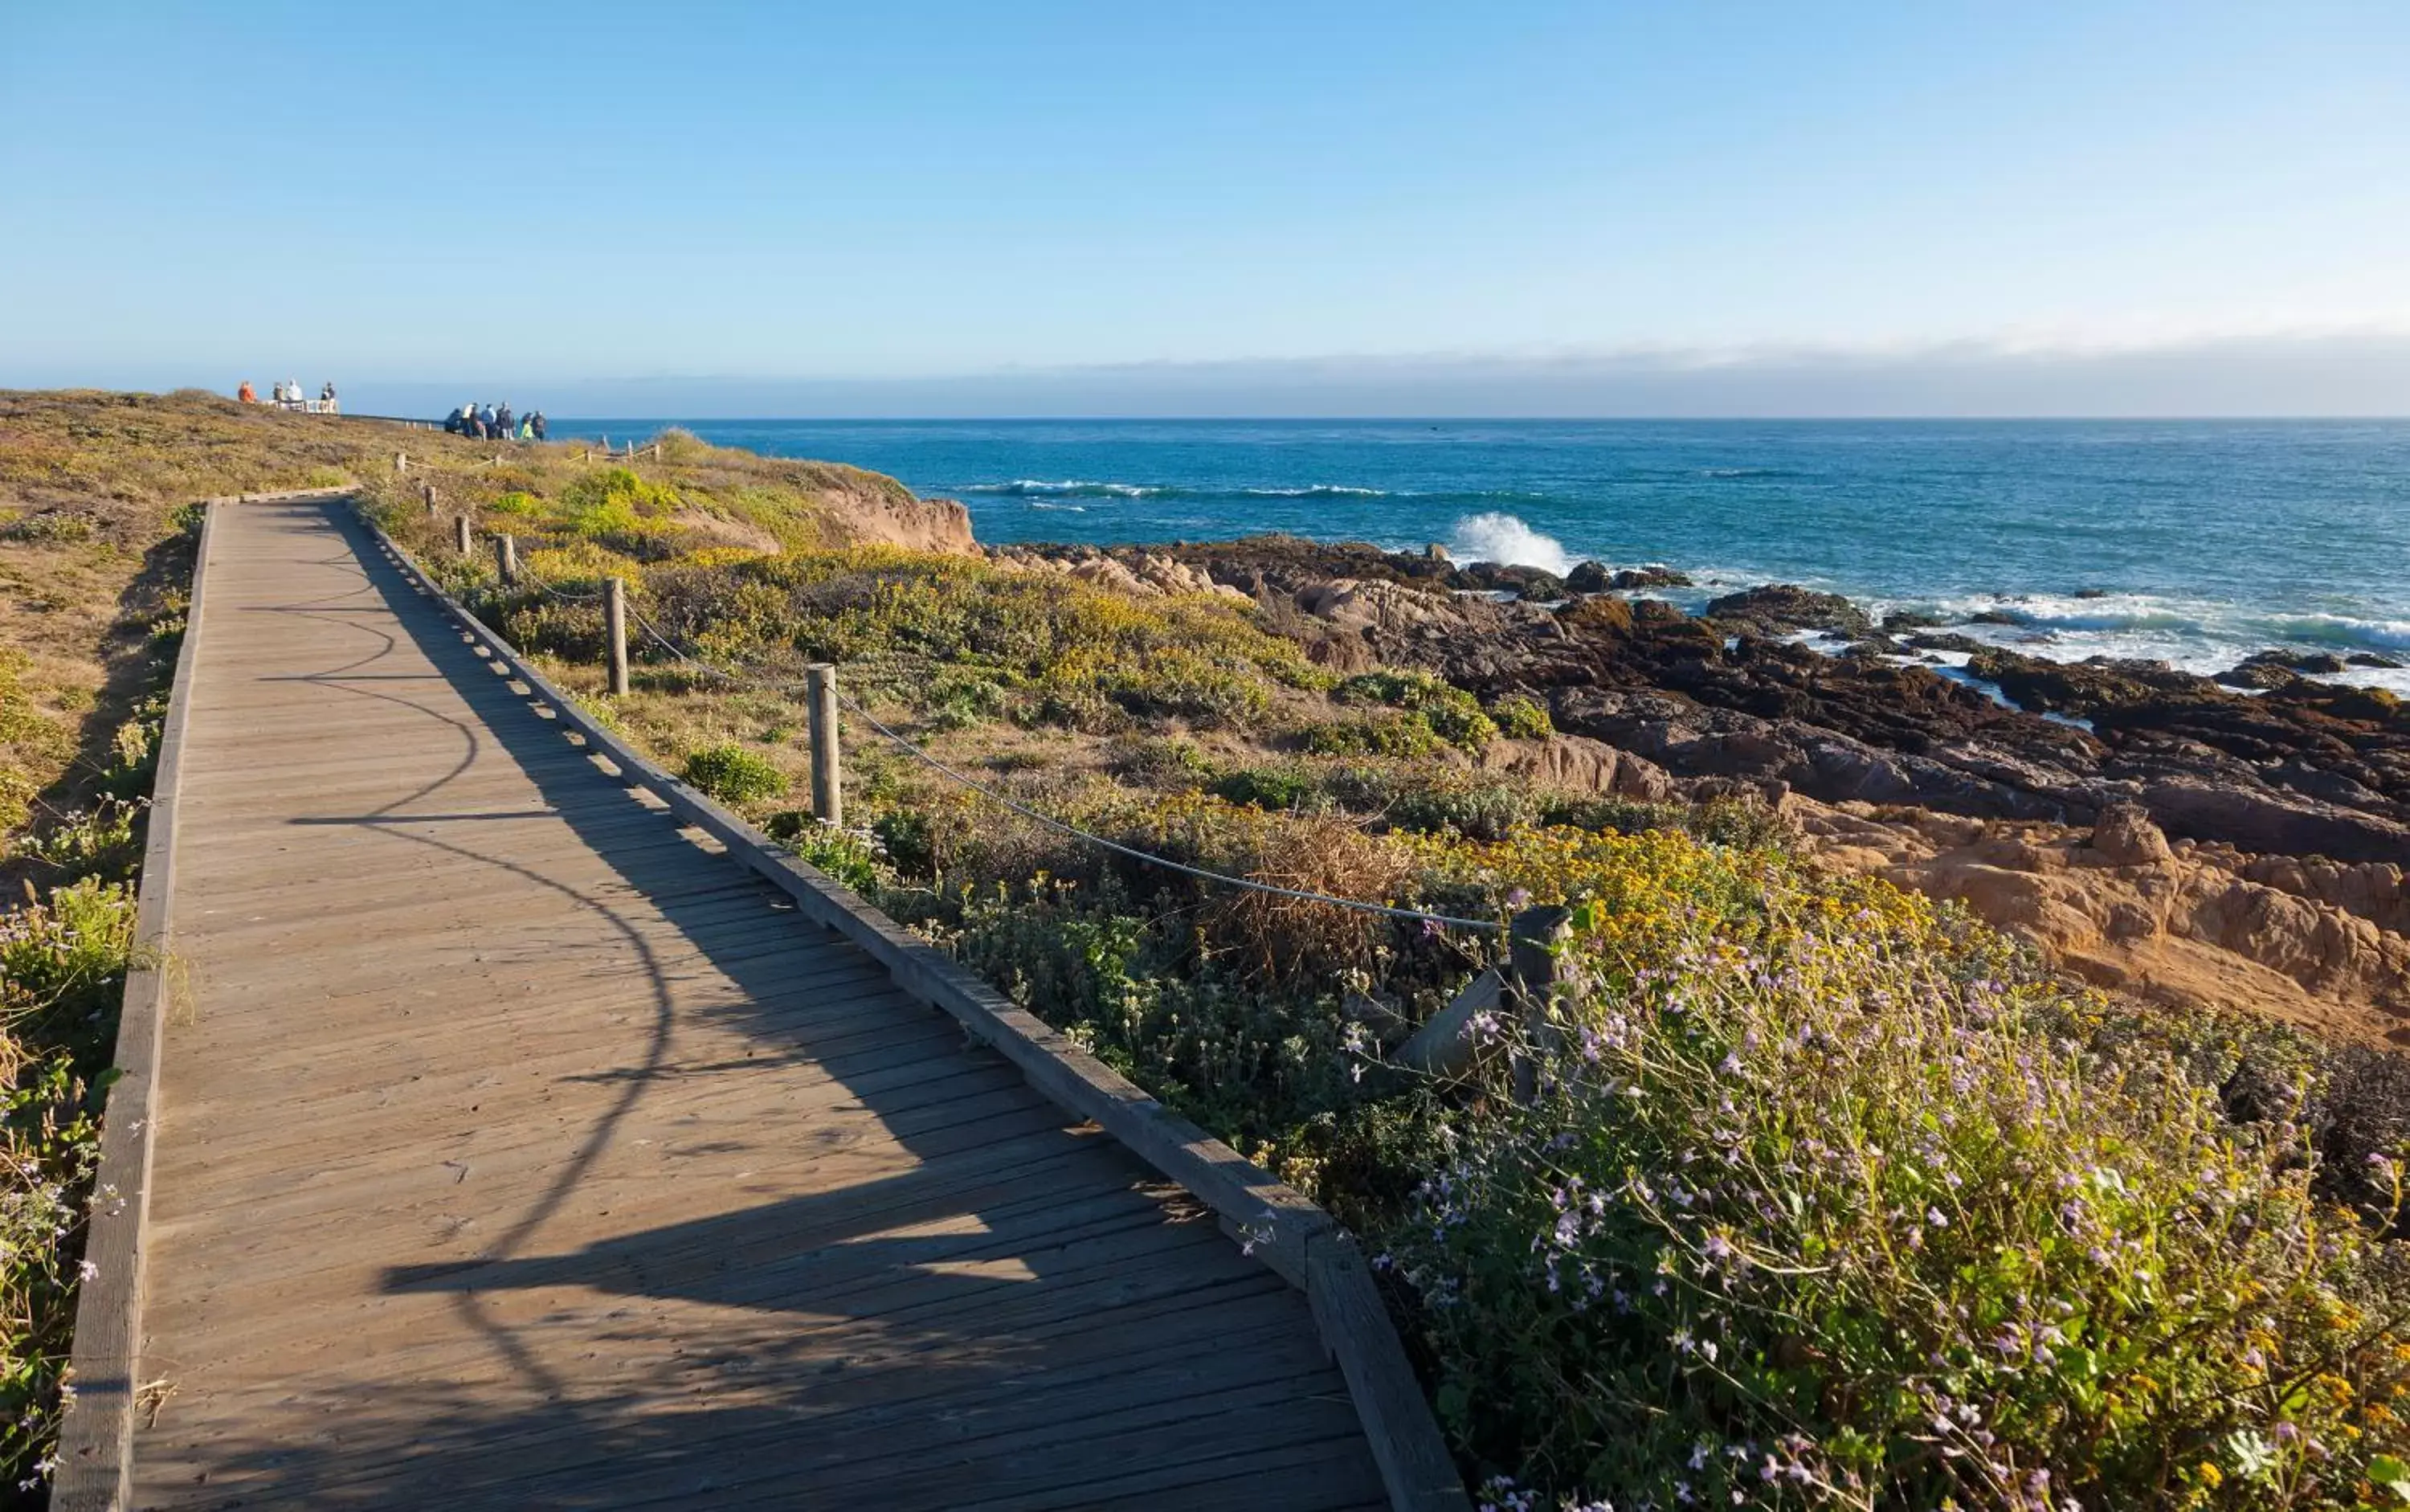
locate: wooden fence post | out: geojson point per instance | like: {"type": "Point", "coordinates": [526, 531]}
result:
{"type": "Point", "coordinates": [615, 627]}
{"type": "Point", "coordinates": [400, 462]}
{"type": "Point", "coordinates": [427, 491]}
{"type": "Point", "coordinates": [1533, 940]}
{"type": "Point", "coordinates": [506, 559]}
{"type": "Point", "coordinates": [828, 783]}
{"type": "Point", "coordinates": [461, 534]}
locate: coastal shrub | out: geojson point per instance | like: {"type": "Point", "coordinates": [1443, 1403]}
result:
{"type": "Point", "coordinates": [132, 756]}
{"type": "Point", "coordinates": [797, 521]}
{"type": "Point", "coordinates": [1159, 759]}
{"type": "Point", "coordinates": [1452, 714]}
{"type": "Point", "coordinates": [104, 840]}
{"type": "Point", "coordinates": [733, 775]}
{"type": "Point", "coordinates": [1287, 939]}
{"type": "Point", "coordinates": [1384, 734]}
{"type": "Point", "coordinates": [850, 856]}
{"type": "Point", "coordinates": [619, 509]}
{"type": "Point", "coordinates": [50, 527]}
{"type": "Point", "coordinates": [727, 617]}
{"type": "Point", "coordinates": [957, 700]}
{"type": "Point", "coordinates": [1841, 1208]}
{"type": "Point", "coordinates": [679, 446]}
{"type": "Point", "coordinates": [580, 564]}
{"type": "Point", "coordinates": [1268, 787]}
{"type": "Point", "coordinates": [1737, 822]}
{"type": "Point", "coordinates": [2352, 1104]}
{"type": "Point", "coordinates": [1521, 717]}
{"type": "Point", "coordinates": [1434, 799]}
{"type": "Point", "coordinates": [65, 955]}
{"type": "Point", "coordinates": [1075, 707]}
{"type": "Point", "coordinates": [1272, 1073]}
{"type": "Point", "coordinates": [719, 555]}
{"type": "Point", "coordinates": [1624, 816]}
{"type": "Point", "coordinates": [1461, 724]}
{"type": "Point", "coordinates": [1179, 683]}
{"type": "Point", "coordinates": [907, 839]}
{"type": "Point", "coordinates": [1733, 821]}
{"type": "Point", "coordinates": [515, 503]}
{"type": "Point", "coordinates": [63, 962]}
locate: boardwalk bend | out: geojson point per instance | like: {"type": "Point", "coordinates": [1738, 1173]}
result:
{"type": "Point", "coordinates": [506, 1125]}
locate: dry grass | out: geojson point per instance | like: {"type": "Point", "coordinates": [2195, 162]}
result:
{"type": "Point", "coordinates": [1294, 940]}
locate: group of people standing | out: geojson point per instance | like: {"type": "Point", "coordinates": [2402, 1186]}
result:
{"type": "Point", "coordinates": [494, 422]}
{"type": "Point", "coordinates": [288, 396]}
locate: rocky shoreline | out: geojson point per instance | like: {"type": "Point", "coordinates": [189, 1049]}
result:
{"type": "Point", "coordinates": [2265, 776]}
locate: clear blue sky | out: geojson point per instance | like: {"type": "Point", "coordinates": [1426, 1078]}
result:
{"type": "Point", "coordinates": [392, 194]}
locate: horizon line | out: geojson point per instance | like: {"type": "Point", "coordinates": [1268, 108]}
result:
{"type": "Point", "coordinates": [2068, 419]}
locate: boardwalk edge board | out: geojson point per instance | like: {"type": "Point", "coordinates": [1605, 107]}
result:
{"type": "Point", "coordinates": [96, 1429]}
{"type": "Point", "coordinates": [95, 1450]}
{"type": "Point", "coordinates": [1278, 1225]}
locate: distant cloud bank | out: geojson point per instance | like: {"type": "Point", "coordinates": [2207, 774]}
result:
{"type": "Point", "coordinates": [2364, 373]}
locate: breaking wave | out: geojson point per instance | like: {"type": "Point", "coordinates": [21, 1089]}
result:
{"type": "Point", "coordinates": [2341, 632]}
{"type": "Point", "coordinates": [1500, 537]}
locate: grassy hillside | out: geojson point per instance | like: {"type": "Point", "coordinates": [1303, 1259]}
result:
{"type": "Point", "coordinates": [1805, 1192]}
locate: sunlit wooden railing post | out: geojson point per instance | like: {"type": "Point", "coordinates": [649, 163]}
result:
{"type": "Point", "coordinates": [615, 625]}
{"type": "Point", "coordinates": [828, 785]}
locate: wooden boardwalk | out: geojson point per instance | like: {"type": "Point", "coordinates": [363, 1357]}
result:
{"type": "Point", "coordinates": [516, 1150]}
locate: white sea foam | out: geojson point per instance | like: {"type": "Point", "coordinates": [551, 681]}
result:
{"type": "Point", "coordinates": [1071, 488]}
{"type": "Point", "coordinates": [1502, 538]}
{"type": "Point", "coordinates": [2197, 636]}
{"type": "Point", "coordinates": [1318, 490]}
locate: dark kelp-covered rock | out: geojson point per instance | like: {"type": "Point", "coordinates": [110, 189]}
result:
{"type": "Point", "coordinates": [1594, 577]}
{"type": "Point", "coordinates": [1589, 578]}
{"type": "Point", "coordinates": [1779, 607]}
{"type": "Point", "coordinates": [2083, 687]}
{"type": "Point", "coordinates": [1509, 577]}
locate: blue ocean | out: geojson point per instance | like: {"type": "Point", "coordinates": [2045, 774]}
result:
{"type": "Point", "coordinates": [2199, 542]}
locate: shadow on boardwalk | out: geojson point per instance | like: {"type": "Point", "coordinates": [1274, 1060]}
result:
{"type": "Point", "coordinates": [971, 1305]}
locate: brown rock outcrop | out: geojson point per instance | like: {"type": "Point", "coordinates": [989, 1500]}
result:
{"type": "Point", "coordinates": [2126, 836]}
{"type": "Point", "coordinates": [1576, 764]}
{"type": "Point", "coordinates": [2195, 927]}
{"type": "Point", "coordinates": [1143, 573]}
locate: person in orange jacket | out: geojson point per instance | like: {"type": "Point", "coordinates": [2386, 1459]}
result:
{"type": "Point", "coordinates": [247, 394]}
